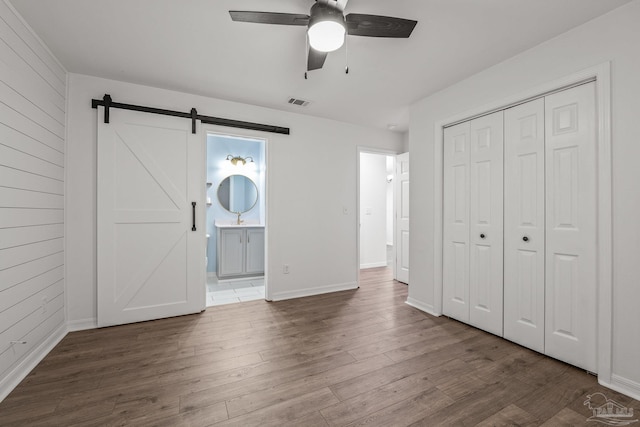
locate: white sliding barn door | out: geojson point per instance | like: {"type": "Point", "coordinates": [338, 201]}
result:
{"type": "Point", "coordinates": [455, 297]}
{"type": "Point", "coordinates": [150, 262]}
{"type": "Point", "coordinates": [402, 218]}
{"type": "Point", "coordinates": [485, 223]}
{"type": "Point", "coordinates": [524, 234]}
{"type": "Point", "coordinates": [571, 226]}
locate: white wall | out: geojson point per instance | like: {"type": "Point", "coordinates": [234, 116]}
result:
{"type": "Point", "coordinates": [613, 37]}
{"type": "Point", "coordinates": [373, 210]}
{"type": "Point", "coordinates": [32, 132]}
{"type": "Point", "coordinates": [311, 178]}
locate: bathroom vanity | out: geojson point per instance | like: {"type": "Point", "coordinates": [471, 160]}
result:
{"type": "Point", "coordinates": [240, 250]}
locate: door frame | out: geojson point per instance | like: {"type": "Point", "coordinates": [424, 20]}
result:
{"type": "Point", "coordinates": [208, 129]}
{"type": "Point", "coordinates": [604, 294]}
{"type": "Point", "coordinates": [383, 152]}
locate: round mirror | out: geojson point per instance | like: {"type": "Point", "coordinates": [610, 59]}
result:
{"type": "Point", "coordinates": [237, 193]}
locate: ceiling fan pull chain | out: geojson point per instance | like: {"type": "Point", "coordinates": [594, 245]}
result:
{"type": "Point", "coordinates": [346, 55]}
{"type": "Point", "coordinates": [306, 54]}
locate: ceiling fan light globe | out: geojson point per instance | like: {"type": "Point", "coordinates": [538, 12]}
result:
{"type": "Point", "coordinates": [326, 36]}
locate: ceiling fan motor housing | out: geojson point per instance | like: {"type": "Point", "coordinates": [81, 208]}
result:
{"type": "Point", "coordinates": [323, 12]}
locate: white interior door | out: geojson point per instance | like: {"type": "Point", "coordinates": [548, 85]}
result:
{"type": "Point", "coordinates": [570, 321]}
{"type": "Point", "coordinates": [150, 262]}
{"type": "Point", "coordinates": [455, 292]}
{"type": "Point", "coordinates": [485, 223]}
{"type": "Point", "coordinates": [524, 236]}
{"type": "Point", "coordinates": [402, 218]}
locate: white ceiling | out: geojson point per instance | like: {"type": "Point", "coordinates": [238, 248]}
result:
{"type": "Point", "coordinates": [193, 46]}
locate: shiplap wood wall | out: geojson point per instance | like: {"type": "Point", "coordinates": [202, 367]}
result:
{"type": "Point", "coordinates": [32, 141]}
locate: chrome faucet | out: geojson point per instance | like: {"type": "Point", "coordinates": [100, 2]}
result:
{"type": "Point", "coordinates": [240, 221]}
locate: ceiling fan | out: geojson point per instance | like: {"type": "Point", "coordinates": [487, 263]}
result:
{"type": "Point", "coordinates": [327, 26]}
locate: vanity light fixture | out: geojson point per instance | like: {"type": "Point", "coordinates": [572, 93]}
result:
{"type": "Point", "coordinates": [239, 161]}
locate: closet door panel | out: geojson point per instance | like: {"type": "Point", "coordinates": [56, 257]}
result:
{"type": "Point", "coordinates": [571, 226]}
{"type": "Point", "coordinates": [524, 212]}
{"type": "Point", "coordinates": [456, 222]}
{"type": "Point", "coordinates": [486, 223]}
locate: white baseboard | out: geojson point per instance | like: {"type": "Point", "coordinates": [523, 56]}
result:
{"type": "Point", "coordinates": [82, 324]}
{"type": "Point", "coordinates": [373, 265]}
{"type": "Point", "coordinates": [427, 308]}
{"type": "Point", "coordinates": [624, 386]}
{"type": "Point", "coordinates": [17, 374]}
{"type": "Point", "coordinates": [279, 296]}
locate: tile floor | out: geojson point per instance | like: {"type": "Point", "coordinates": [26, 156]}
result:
{"type": "Point", "coordinates": [229, 292]}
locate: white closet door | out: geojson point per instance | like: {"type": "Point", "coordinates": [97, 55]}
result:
{"type": "Point", "coordinates": [485, 223]}
{"type": "Point", "coordinates": [150, 262]}
{"type": "Point", "coordinates": [524, 213]}
{"type": "Point", "coordinates": [571, 226]}
{"type": "Point", "coordinates": [456, 222]}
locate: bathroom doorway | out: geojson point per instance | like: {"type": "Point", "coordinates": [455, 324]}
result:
{"type": "Point", "coordinates": [236, 207]}
{"type": "Point", "coordinates": [376, 210]}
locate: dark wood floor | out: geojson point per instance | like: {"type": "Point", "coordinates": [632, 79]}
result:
{"type": "Point", "coordinates": [348, 358]}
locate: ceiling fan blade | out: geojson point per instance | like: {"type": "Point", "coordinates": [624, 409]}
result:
{"type": "Point", "coordinates": [270, 17]}
{"type": "Point", "coordinates": [359, 24]}
{"type": "Point", "coordinates": [315, 59]}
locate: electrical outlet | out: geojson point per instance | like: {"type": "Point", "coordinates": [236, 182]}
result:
{"type": "Point", "coordinates": [345, 210]}
{"type": "Point", "coordinates": [285, 268]}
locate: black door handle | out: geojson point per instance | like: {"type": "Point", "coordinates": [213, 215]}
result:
{"type": "Point", "coordinates": [193, 207]}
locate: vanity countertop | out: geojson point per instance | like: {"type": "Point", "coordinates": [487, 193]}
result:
{"type": "Point", "coordinates": [232, 224]}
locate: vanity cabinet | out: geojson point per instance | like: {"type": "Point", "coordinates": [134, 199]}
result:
{"type": "Point", "coordinates": [240, 252]}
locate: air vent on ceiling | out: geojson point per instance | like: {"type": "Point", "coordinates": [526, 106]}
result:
{"type": "Point", "coordinates": [298, 102]}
